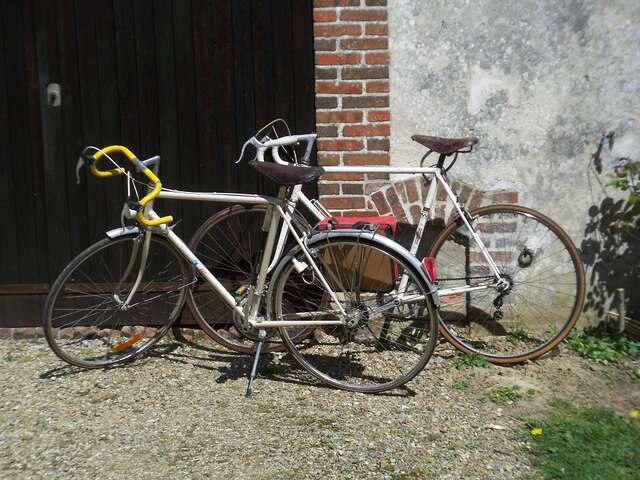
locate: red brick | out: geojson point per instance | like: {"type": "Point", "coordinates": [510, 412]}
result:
{"type": "Point", "coordinates": [352, 188]}
{"type": "Point", "coordinates": [335, 3]}
{"type": "Point", "coordinates": [412, 190]}
{"type": "Point", "coordinates": [394, 203]}
{"type": "Point", "coordinates": [364, 44]}
{"type": "Point", "coordinates": [343, 177]}
{"type": "Point", "coordinates": [399, 186]}
{"type": "Point", "coordinates": [336, 30]}
{"type": "Point", "coordinates": [377, 29]}
{"type": "Point", "coordinates": [326, 102]}
{"type": "Point", "coordinates": [366, 101]}
{"type": "Point", "coordinates": [327, 131]}
{"type": "Point", "coordinates": [324, 16]}
{"type": "Point", "coordinates": [328, 189]}
{"type": "Point", "coordinates": [342, 116]}
{"type": "Point", "coordinates": [339, 145]}
{"type": "Point", "coordinates": [476, 199]}
{"type": "Point", "coordinates": [337, 58]}
{"type": "Point", "coordinates": [505, 197]}
{"type": "Point", "coordinates": [326, 73]}
{"type": "Point", "coordinates": [465, 194]}
{"type": "Point", "coordinates": [348, 203]}
{"type": "Point", "coordinates": [375, 130]}
{"type": "Point", "coordinates": [381, 86]}
{"type": "Point", "coordinates": [377, 58]}
{"type": "Point", "coordinates": [366, 159]}
{"type": "Point", "coordinates": [365, 73]}
{"type": "Point", "coordinates": [441, 194]}
{"type": "Point", "coordinates": [379, 115]}
{"type": "Point", "coordinates": [377, 176]}
{"type": "Point", "coordinates": [328, 159]}
{"type": "Point", "coordinates": [378, 144]}
{"type": "Point", "coordinates": [338, 87]}
{"type": "Point", "coordinates": [363, 14]}
{"type": "Point", "coordinates": [381, 203]}
{"type": "Point", "coordinates": [324, 45]}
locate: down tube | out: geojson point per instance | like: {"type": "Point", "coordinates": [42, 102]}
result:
{"type": "Point", "coordinates": [176, 241]}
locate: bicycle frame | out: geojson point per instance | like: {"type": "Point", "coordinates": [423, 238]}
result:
{"type": "Point", "coordinates": [275, 212]}
{"type": "Point", "coordinates": [320, 213]}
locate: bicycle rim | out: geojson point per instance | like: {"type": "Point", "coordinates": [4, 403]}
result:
{"type": "Point", "coordinates": [84, 322]}
{"type": "Point", "coordinates": [381, 347]}
{"type": "Point", "coordinates": [541, 267]}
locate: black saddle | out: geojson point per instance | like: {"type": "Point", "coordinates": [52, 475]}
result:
{"type": "Point", "coordinates": [287, 174]}
{"type": "Point", "coordinates": [446, 146]}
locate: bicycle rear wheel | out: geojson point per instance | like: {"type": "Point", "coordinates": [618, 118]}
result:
{"type": "Point", "coordinates": [541, 296]}
{"type": "Point", "coordinates": [386, 339]}
{"type": "Point", "coordinates": [84, 321]}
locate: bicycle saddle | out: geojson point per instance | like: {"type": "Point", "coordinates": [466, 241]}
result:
{"type": "Point", "coordinates": [287, 174]}
{"type": "Point", "coordinates": [445, 146]}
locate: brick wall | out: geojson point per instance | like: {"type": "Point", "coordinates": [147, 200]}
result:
{"type": "Point", "coordinates": [352, 97]}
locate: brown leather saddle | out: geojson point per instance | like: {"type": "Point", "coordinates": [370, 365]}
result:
{"type": "Point", "coordinates": [287, 174]}
{"type": "Point", "coordinates": [446, 146]}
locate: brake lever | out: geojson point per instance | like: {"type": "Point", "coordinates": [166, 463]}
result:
{"type": "Point", "coordinates": [253, 141]}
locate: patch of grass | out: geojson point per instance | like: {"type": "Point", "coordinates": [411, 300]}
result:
{"type": "Point", "coordinates": [8, 357]}
{"type": "Point", "coordinates": [461, 384]}
{"type": "Point", "coordinates": [470, 361]}
{"type": "Point", "coordinates": [517, 335]}
{"type": "Point", "coordinates": [505, 395]}
{"type": "Point", "coordinates": [597, 344]}
{"type": "Point", "coordinates": [587, 443]}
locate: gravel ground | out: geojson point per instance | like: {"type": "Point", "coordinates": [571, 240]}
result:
{"type": "Point", "coordinates": [181, 413]}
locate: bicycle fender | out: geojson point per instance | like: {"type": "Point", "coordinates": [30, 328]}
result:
{"type": "Point", "coordinates": [327, 236]}
{"type": "Point", "coordinates": [121, 232]}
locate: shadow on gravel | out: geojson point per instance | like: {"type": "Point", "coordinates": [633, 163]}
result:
{"type": "Point", "coordinates": [239, 365]}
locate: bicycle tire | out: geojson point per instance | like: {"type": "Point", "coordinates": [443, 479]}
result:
{"type": "Point", "coordinates": [96, 332]}
{"type": "Point", "coordinates": [229, 244]}
{"type": "Point", "coordinates": [377, 351]}
{"type": "Point", "coordinates": [514, 335]}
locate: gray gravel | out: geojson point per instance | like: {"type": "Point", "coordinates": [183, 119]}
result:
{"type": "Point", "coordinates": [181, 413]}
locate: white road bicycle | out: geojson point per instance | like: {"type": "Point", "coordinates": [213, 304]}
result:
{"type": "Point", "coordinates": [511, 280]}
{"type": "Point", "coordinates": [117, 298]}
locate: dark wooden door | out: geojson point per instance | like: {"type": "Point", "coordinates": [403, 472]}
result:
{"type": "Point", "coordinates": [188, 80]}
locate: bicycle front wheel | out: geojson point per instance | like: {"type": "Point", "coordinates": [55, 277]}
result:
{"type": "Point", "coordinates": [539, 295]}
{"type": "Point", "coordinates": [87, 319]}
{"type": "Point", "coordinates": [386, 337]}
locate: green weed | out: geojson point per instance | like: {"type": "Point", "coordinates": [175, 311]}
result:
{"type": "Point", "coordinates": [470, 361]}
{"type": "Point", "coordinates": [599, 345]}
{"type": "Point", "coordinates": [8, 357]}
{"type": "Point", "coordinates": [517, 335]}
{"type": "Point", "coordinates": [461, 384]}
{"type": "Point", "coordinates": [505, 395]}
{"type": "Point", "coordinates": [580, 443]}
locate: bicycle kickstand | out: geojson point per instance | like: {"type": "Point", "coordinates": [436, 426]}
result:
{"type": "Point", "coordinates": [262, 335]}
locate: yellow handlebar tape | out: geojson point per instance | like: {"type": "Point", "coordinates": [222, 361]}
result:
{"type": "Point", "coordinates": [157, 185]}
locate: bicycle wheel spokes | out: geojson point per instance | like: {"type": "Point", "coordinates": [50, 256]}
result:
{"type": "Point", "coordinates": [542, 284]}
{"type": "Point", "coordinates": [381, 345]}
{"type": "Point", "coordinates": [86, 320]}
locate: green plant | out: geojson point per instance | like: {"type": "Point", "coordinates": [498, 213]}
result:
{"type": "Point", "coordinates": [517, 335]}
{"type": "Point", "coordinates": [470, 361]}
{"type": "Point", "coordinates": [599, 345]}
{"type": "Point", "coordinates": [8, 357]}
{"type": "Point", "coordinates": [505, 395]}
{"type": "Point", "coordinates": [586, 443]}
{"type": "Point", "coordinates": [461, 384]}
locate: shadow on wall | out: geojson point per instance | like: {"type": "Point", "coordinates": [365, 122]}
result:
{"type": "Point", "coordinates": [611, 251]}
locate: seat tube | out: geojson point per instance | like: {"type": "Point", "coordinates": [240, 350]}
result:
{"type": "Point", "coordinates": [271, 223]}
